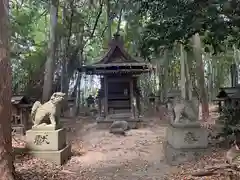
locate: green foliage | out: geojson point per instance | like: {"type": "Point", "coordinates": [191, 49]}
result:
{"type": "Point", "coordinates": [28, 40]}
{"type": "Point", "coordinates": [230, 120]}
{"type": "Point", "coordinates": [77, 37]}
{"type": "Point", "coordinates": [147, 27]}
{"type": "Point", "coordinates": [169, 21]}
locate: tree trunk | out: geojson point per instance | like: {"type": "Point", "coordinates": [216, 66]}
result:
{"type": "Point", "coordinates": [6, 159]}
{"type": "Point", "coordinates": [49, 65]}
{"type": "Point", "coordinates": [186, 90]}
{"type": "Point", "coordinates": [109, 21]}
{"type": "Point", "coordinates": [166, 75]}
{"type": "Point", "coordinates": [200, 73]}
{"type": "Point", "coordinates": [163, 76]}
{"type": "Point", "coordinates": [119, 21]}
{"type": "Point", "coordinates": [210, 77]}
{"type": "Point", "coordinates": [160, 79]}
{"type": "Point", "coordinates": [79, 76]}
{"type": "Point", "coordinates": [67, 58]}
{"type": "Point", "coordinates": [183, 73]}
{"type": "Point", "coordinates": [63, 49]}
{"type": "Point", "coordinates": [191, 74]}
{"type": "Point", "coordinates": [78, 97]}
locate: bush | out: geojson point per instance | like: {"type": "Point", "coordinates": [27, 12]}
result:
{"type": "Point", "coordinates": [230, 118]}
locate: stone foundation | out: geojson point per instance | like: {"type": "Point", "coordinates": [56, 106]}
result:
{"type": "Point", "coordinates": [134, 123]}
{"type": "Point", "coordinates": [176, 157]}
{"type": "Point", "coordinates": [185, 143]}
{"type": "Point", "coordinates": [59, 157]}
{"type": "Point", "coordinates": [105, 124]}
{"type": "Point", "coordinates": [187, 137]}
{"type": "Point", "coordinates": [49, 144]}
{"type": "Point", "coordinates": [40, 140]}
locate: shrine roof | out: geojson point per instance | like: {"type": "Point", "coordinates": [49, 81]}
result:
{"type": "Point", "coordinates": [117, 58]}
{"type": "Point", "coordinates": [228, 93]}
{"type": "Point", "coordinates": [173, 93]}
{"type": "Point", "coordinates": [235, 95]}
{"type": "Point", "coordinates": [19, 99]}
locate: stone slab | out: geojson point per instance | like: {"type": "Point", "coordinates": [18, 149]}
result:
{"type": "Point", "coordinates": [46, 140]}
{"type": "Point", "coordinates": [46, 127]}
{"type": "Point", "coordinates": [105, 124]}
{"type": "Point", "coordinates": [58, 157]}
{"type": "Point", "coordinates": [176, 157]}
{"type": "Point", "coordinates": [191, 137]}
{"type": "Point", "coordinates": [186, 125]}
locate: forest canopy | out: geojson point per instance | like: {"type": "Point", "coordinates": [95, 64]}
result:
{"type": "Point", "coordinates": [218, 22]}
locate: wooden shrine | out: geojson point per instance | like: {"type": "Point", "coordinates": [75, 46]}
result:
{"type": "Point", "coordinates": [228, 97]}
{"type": "Point", "coordinates": [119, 96]}
{"type": "Point", "coordinates": [21, 107]}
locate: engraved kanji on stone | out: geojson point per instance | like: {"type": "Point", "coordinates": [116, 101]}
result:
{"type": "Point", "coordinates": [40, 139]}
{"type": "Point", "coordinates": [190, 138]}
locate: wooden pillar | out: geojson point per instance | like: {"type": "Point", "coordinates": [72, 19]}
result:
{"type": "Point", "coordinates": [21, 117]}
{"type": "Point", "coordinates": [234, 75]}
{"type": "Point", "coordinates": [105, 95]}
{"type": "Point", "coordinates": [136, 87]}
{"type": "Point", "coordinates": [101, 98]}
{"type": "Point", "coordinates": [132, 98]}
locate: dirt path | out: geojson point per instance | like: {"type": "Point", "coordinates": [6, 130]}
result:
{"type": "Point", "coordinates": [136, 156]}
{"type": "Point", "coordinates": [99, 155]}
{"type": "Point", "coordinates": [139, 155]}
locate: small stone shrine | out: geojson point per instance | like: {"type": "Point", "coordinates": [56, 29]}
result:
{"type": "Point", "coordinates": [185, 138]}
{"type": "Point", "coordinates": [21, 107]}
{"type": "Point", "coordinates": [47, 138]}
{"type": "Point", "coordinates": [118, 98]}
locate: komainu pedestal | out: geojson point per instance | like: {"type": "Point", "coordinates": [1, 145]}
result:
{"type": "Point", "coordinates": [47, 138]}
{"type": "Point", "coordinates": [185, 138]}
{"type": "Point", "coordinates": [185, 143]}
{"type": "Point", "coordinates": [48, 144]}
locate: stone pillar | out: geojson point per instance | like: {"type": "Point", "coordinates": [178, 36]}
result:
{"type": "Point", "coordinates": [185, 138]}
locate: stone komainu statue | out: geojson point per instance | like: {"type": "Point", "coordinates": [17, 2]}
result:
{"type": "Point", "coordinates": [47, 110]}
{"type": "Point", "coordinates": [184, 111]}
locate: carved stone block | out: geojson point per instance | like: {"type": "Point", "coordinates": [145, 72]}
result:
{"type": "Point", "coordinates": [46, 140]}
{"type": "Point", "coordinates": [47, 127]}
{"type": "Point", "coordinates": [58, 157]}
{"type": "Point", "coordinates": [178, 156]}
{"type": "Point", "coordinates": [187, 137]}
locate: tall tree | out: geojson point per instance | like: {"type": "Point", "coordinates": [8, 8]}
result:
{"type": "Point", "coordinates": [109, 20]}
{"type": "Point", "coordinates": [49, 65]}
{"type": "Point", "coordinates": [6, 161]}
{"type": "Point", "coordinates": [197, 49]}
{"type": "Point", "coordinates": [184, 75]}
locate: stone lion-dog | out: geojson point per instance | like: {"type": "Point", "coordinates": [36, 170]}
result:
{"type": "Point", "coordinates": [47, 110]}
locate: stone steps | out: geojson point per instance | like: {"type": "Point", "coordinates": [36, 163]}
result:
{"type": "Point", "coordinates": [127, 116]}
{"type": "Point", "coordinates": [120, 116]}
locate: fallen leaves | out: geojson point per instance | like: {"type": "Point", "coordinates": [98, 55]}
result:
{"type": "Point", "coordinates": [211, 162]}
{"type": "Point", "coordinates": [100, 155]}
{"type": "Point", "coordinates": [35, 169]}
